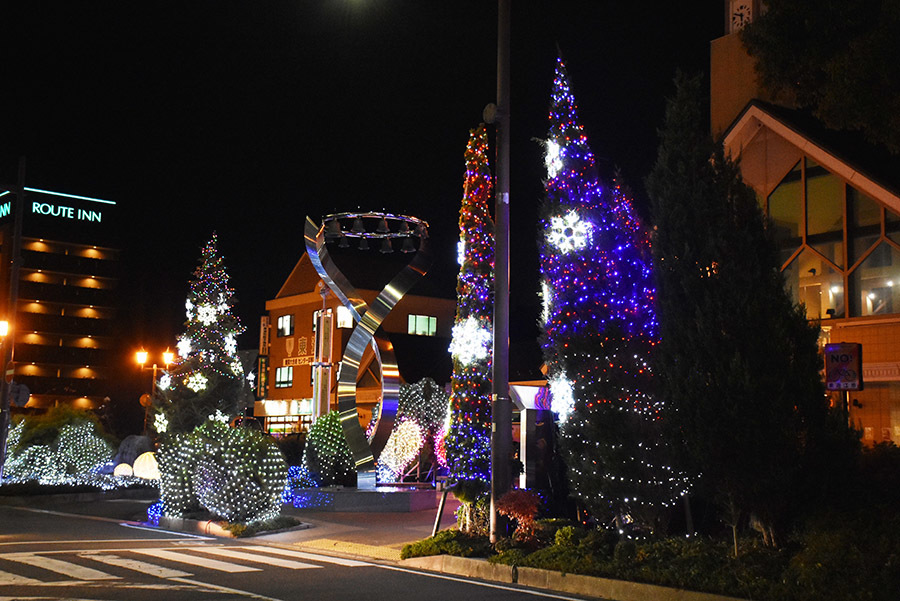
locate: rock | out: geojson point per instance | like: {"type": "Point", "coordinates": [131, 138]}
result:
{"type": "Point", "coordinates": [132, 447]}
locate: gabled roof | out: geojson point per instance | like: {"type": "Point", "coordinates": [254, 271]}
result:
{"type": "Point", "coordinates": [867, 167]}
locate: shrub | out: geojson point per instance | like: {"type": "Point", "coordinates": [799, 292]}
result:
{"type": "Point", "coordinates": [235, 473]}
{"type": "Point", "coordinates": [522, 506]}
{"type": "Point", "coordinates": [449, 542]}
{"type": "Point", "coordinates": [327, 456]}
{"type": "Point", "coordinates": [57, 447]}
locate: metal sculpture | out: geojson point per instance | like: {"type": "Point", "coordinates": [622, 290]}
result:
{"type": "Point", "coordinates": [368, 318]}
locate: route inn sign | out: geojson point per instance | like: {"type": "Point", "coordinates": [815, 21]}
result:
{"type": "Point", "coordinates": [843, 366]}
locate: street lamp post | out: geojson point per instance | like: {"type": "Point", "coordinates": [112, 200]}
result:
{"type": "Point", "coordinates": [147, 399]}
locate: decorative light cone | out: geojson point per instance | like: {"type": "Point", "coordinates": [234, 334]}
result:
{"type": "Point", "coordinates": [386, 247]}
{"type": "Point", "coordinates": [408, 246]}
{"type": "Point", "coordinates": [363, 244]}
{"type": "Point", "coordinates": [146, 466]}
{"type": "Point", "coordinates": [383, 226]}
{"type": "Point", "coordinates": [358, 227]}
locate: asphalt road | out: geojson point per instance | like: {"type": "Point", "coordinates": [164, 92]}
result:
{"type": "Point", "coordinates": [102, 552]}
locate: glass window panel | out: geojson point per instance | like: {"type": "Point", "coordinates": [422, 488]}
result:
{"type": "Point", "coordinates": [411, 326]}
{"type": "Point", "coordinates": [864, 223]}
{"type": "Point", "coordinates": [785, 210]}
{"type": "Point", "coordinates": [825, 212]}
{"type": "Point", "coordinates": [817, 285]}
{"type": "Point", "coordinates": [875, 284]}
{"type": "Point", "coordinates": [432, 326]}
{"type": "Point", "coordinates": [892, 225]}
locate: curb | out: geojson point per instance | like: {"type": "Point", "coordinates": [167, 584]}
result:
{"type": "Point", "coordinates": [588, 586]}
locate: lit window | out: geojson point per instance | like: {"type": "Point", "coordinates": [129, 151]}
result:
{"type": "Point", "coordinates": [422, 325]}
{"type": "Point", "coordinates": [344, 317]}
{"type": "Point", "coordinates": [286, 325]}
{"type": "Point", "coordinates": [284, 377]}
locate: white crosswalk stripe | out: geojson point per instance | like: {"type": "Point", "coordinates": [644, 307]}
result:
{"type": "Point", "coordinates": [340, 561]}
{"type": "Point", "coordinates": [137, 566]}
{"type": "Point", "coordinates": [7, 579]}
{"type": "Point", "coordinates": [73, 570]}
{"type": "Point", "coordinates": [232, 553]}
{"type": "Point", "coordinates": [232, 559]}
{"type": "Point", "coordinates": [195, 560]}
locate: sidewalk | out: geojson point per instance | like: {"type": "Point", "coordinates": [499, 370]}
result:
{"type": "Point", "coordinates": [372, 535]}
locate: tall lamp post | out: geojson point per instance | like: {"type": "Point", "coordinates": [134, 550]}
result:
{"type": "Point", "coordinates": [142, 357]}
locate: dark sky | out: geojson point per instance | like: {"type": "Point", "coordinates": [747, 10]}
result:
{"type": "Point", "coordinates": [244, 117]}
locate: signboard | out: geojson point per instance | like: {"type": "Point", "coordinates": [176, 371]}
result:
{"type": "Point", "coordinates": [262, 379]}
{"type": "Point", "coordinates": [843, 366]}
{"type": "Point", "coordinates": [304, 360]}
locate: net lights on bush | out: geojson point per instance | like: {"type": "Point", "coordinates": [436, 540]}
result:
{"type": "Point", "coordinates": [401, 449]}
{"type": "Point", "coordinates": [235, 473]}
{"type": "Point", "coordinates": [562, 395]}
{"type": "Point", "coordinates": [327, 456]}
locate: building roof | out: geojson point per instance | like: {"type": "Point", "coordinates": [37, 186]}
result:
{"type": "Point", "coordinates": [869, 168]}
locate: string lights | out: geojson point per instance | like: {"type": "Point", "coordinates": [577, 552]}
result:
{"type": "Point", "coordinates": [600, 329]}
{"type": "Point", "coordinates": [467, 444]}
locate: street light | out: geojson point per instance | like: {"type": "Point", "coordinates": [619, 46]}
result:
{"type": "Point", "coordinates": [142, 357]}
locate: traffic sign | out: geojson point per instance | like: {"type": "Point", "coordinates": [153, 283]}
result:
{"type": "Point", "coordinates": [843, 366]}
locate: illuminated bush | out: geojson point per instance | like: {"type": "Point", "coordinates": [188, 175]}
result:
{"type": "Point", "coordinates": [401, 450]}
{"type": "Point", "coordinates": [55, 448]}
{"type": "Point", "coordinates": [327, 457]}
{"type": "Point", "coordinates": [235, 473]}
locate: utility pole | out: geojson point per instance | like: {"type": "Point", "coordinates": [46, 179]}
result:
{"type": "Point", "coordinates": [501, 406]}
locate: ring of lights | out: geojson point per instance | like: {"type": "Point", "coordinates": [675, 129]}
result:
{"type": "Point", "coordinates": [368, 319]}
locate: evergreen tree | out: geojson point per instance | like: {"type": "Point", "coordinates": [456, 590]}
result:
{"type": "Point", "coordinates": [738, 362]}
{"type": "Point", "coordinates": [468, 444]}
{"type": "Point", "coordinates": [207, 377]}
{"type": "Point", "coordinates": [599, 330]}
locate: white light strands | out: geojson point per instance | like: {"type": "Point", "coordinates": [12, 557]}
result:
{"type": "Point", "coordinates": [562, 396]}
{"type": "Point", "coordinates": [552, 159]}
{"type": "Point", "coordinates": [461, 252]}
{"type": "Point", "coordinates": [569, 232]}
{"type": "Point", "coordinates": [401, 450]}
{"type": "Point", "coordinates": [547, 301]}
{"type": "Point", "coordinates": [471, 341]}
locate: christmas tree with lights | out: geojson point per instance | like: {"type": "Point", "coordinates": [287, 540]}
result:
{"type": "Point", "coordinates": [599, 331]}
{"type": "Point", "coordinates": [468, 443]}
{"type": "Point", "coordinates": [207, 378]}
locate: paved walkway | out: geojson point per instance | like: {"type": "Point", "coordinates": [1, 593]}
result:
{"type": "Point", "coordinates": [365, 534]}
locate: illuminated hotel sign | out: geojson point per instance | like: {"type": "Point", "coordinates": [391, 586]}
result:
{"type": "Point", "coordinates": [60, 210]}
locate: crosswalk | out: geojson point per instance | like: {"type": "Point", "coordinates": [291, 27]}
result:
{"type": "Point", "coordinates": [46, 567]}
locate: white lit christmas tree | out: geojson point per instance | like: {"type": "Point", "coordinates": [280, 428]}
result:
{"type": "Point", "coordinates": [207, 377]}
{"type": "Point", "coordinates": [599, 331]}
{"type": "Point", "coordinates": [469, 436]}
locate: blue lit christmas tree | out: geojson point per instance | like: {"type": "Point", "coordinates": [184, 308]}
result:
{"type": "Point", "coordinates": [599, 330]}
{"type": "Point", "coordinates": [207, 377]}
{"type": "Point", "coordinates": [468, 443]}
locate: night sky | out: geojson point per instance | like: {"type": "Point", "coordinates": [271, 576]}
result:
{"type": "Point", "coordinates": [245, 117]}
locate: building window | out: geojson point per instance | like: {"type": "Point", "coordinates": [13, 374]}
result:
{"type": "Point", "coordinates": [422, 325]}
{"type": "Point", "coordinates": [344, 318]}
{"type": "Point", "coordinates": [286, 325]}
{"type": "Point", "coordinates": [284, 377]}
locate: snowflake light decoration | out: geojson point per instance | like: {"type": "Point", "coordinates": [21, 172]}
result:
{"type": "Point", "coordinates": [189, 309]}
{"type": "Point", "coordinates": [471, 342]}
{"type": "Point", "coordinates": [218, 416]}
{"type": "Point", "coordinates": [196, 382]}
{"type": "Point", "coordinates": [165, 382]}
{"type": "Point", "coordinates": [183, 346]}
{"type": "Point", "coordinates": [569, 233]}
{"type": "Point", "coordinates": [236, 368]}
{"type": "Point", "coordinates": [207, 314]}
{"type": "Point", "coordinates": [230, 345]}
{"type": "Point", "coordinates": [562, 395]}
{"type": "Point", "coordinates": [160, 423]}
